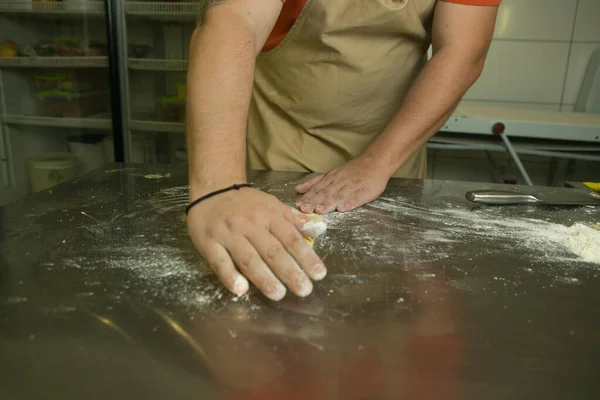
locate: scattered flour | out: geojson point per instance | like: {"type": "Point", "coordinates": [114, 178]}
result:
{"type": "Point", "coordinates": [16, 300]}
{"type": "Point", "coordinates": [435, 233]}
{"type": "Point", "coordinates": [158, 262]}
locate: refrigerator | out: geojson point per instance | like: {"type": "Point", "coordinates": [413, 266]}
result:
{"type": "Point", "coordinates": [86, 83]}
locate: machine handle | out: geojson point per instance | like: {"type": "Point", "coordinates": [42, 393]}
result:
{"type": "Point", "coordinates": [500, 197]}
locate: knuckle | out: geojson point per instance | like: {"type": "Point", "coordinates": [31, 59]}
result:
{"type": "Point", "coordinates": [247, 261]}
{"type": "Point", "coordinates": [328, 203]}
{"type": "Point", "coordinates": [275, 214]}
{"type": "Point", "coordinates": [315, 199]}
{"type": "Point", "coordinates": [218, 263]}
{"type": "Point", "coordinates": [294, 242]}
{"type": "Point", "coordinates": [309, 195]}
{"type": "Point", "coordinates": [232, 222]}
{"type": "Point", "coordinates": [273, 251]}
{"type": "Point", "coordinates": [329, 191]}
{"type": "Point", "coordinates": [213, 231]}
{"type": "Point", "coordinates": [237, 222]}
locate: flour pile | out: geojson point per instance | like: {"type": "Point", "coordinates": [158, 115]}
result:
{"type": "Point", "coordinates": [584, 242]}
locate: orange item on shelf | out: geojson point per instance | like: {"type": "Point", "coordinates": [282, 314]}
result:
{"type": "Point", "coordinates": [6, 51]}
{"type": "Point", "coordinates": [9, 43]}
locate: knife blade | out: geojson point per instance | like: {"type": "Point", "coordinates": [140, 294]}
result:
{"type": "Point", "coordinates": [507, 197]}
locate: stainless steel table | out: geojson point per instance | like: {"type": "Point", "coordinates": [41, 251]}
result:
{"type": "Point", "coordinates": [428, 296]}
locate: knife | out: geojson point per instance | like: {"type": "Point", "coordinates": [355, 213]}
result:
{"type": "Point", "coordinates": [506, 197]}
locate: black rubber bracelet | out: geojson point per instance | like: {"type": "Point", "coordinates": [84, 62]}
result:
{"type": "Point", "coordinates": [208, 196]}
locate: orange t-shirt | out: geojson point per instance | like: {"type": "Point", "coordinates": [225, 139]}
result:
{"type": "Point", "coordinates": [292, 8]}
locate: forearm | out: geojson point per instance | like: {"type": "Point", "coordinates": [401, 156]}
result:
{"type": "Point", "coordinates": [429, 103]}
{"type": "Point", "coordinates": [220, 78]}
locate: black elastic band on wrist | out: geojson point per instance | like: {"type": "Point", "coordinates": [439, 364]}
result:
{"type": "Point", "coordinates": [208, 196]}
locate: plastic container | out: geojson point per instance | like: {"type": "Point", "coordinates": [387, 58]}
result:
{"type": "Point", "coordinates": [70, 80]}
{"type": "Point", "coordinates": [47, 170]}
{"type": "Point", "coordinates": [173, 109]}
{"type": "Point", "coordinates": [89, 151]}
{"type": "Point", "coordinates": [60, 103]}
{"type": "Point", "coordinates": [50, 80]}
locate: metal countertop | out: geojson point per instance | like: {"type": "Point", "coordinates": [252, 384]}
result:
{"type": "Point", "coordinates": [428, 296]}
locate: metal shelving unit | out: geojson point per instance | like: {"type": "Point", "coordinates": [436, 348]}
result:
{"type": "Point", "coordinates": [165, 25]}
{"type": "Point", "coordinates": [147, 64]}
{"type": "Point", "coordinates": [53, 62]}
{"type": "Point", "coordinates": [78, 123]}
{"type": "Point", "coordinates": [65, 8]}
{"type": "Point", "coordinates": [23, 133]}
{"type": "Point", "coordinates": [173, 61]}
{"type": "Point", "coordinates": [157, 126]}
{"type": "Point", "coordinates": [163, 11]}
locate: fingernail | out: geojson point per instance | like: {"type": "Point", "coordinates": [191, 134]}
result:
{"type": "Point", "coordinates": [306, 288]}
{"type": "Point", "coordinates": [240, 285]}
{"type": "Point", "coordinates": [304, 207]}
{"type": "Point", "coordinates": [319, 208]}
{"type": "Point", "coordinates": [277, 293]}
{"type": "Point", "coordinates": [319, 272]}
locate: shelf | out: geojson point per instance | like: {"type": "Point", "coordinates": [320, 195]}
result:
{"type": "Point", "coordinates": [53, 62]}
{"type": "Point", "coordinates": [163, 11]}
{"type": "Point", "coordinates": [148, 64]}
{"type": "Point", "coordinates": [65, 8]}
{"type": "Point", "coordinates": [81, 123]}
{"type": "Point", "coordinates": [156, 126]}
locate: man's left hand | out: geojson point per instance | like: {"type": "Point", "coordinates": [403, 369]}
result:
{"type": "Point", "coordinates": [344, 188]}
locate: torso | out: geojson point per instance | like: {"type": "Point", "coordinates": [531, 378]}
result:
{"type": "Point", "coordinates": [335, 81]}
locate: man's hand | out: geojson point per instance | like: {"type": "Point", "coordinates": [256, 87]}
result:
{"type": "Point", "coordinates": [250, 235]}
{"type": "Point", "coordinates": [344, 188]}
{"type": "Point", "coordinates": [458, 59]}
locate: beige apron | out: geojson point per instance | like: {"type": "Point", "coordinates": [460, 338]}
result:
{"type": "Point", "coordinates": [335, 82]}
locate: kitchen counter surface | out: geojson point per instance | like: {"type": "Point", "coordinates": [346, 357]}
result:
{"type": "Point", "coordinates": [428, 296]}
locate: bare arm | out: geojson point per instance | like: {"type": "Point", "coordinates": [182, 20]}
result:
{"type": "Point", "coordinates": [461, 38]}
{"type": "Point", "coordinates": [247, 235]}
{"type": "Point", "coordinates": [223, 50]}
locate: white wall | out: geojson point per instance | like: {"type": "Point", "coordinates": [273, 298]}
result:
{"type": "Point", "coordinates": [540, 53]}
{"type": "Point", "coordinates": [538, 59]}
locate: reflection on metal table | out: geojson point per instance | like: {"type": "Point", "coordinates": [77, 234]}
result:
{"type": "Point", "coordinates": [428, 296]}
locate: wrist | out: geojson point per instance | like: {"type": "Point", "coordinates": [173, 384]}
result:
{"type": "Point", "coordinates": [381, 162]}
{"type": "Point", "coordinates": [202, 187]}
{"type": "Point", "coordinates": [215, 193]}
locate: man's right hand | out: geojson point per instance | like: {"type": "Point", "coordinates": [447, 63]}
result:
{"type": "Point", "coordinates": [251, 235]}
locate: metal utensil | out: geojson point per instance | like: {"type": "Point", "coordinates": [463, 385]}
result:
{"type": "Point", "coordinates": [506, 197]}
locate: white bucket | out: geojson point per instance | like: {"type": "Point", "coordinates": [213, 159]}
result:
{"type": "Point", "coordinates": [90, 155]}
{"type": "Point", "coordinates": [49, 169]}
